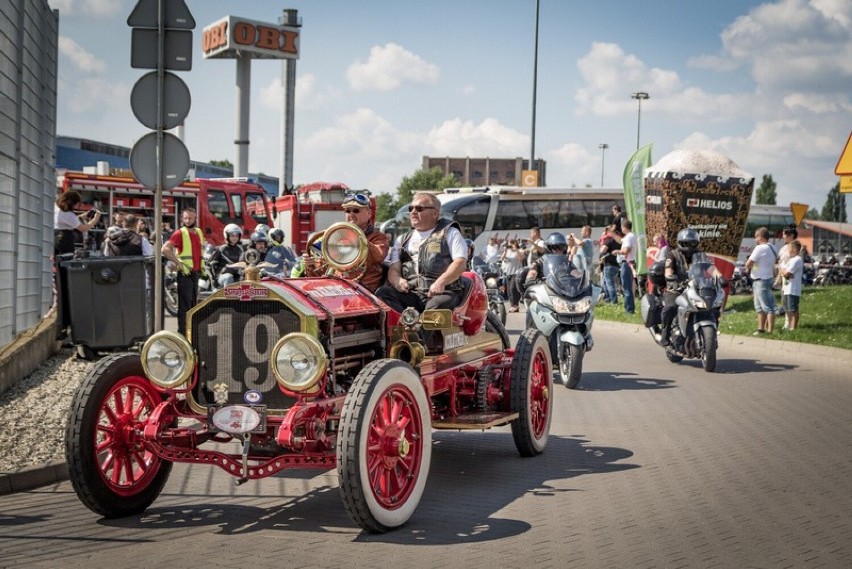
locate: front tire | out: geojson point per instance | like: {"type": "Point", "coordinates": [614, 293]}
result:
{"type": "Point", "coordinates": [531, 393]}
{"type": "Point", "coordinates": [111, 470]}
{"type": "Point", "coordinates": [572, 370]}
{"type": "Point", "coordinates": [708, 351]}
{"type": "Point", "coordinates": [384, 445]}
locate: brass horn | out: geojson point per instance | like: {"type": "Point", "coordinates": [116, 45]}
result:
{"type": "Point", "coordinates": [411, 352]}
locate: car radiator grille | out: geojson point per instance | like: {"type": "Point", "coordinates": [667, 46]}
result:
{"type": "Point", "coordinates": [234, 341]}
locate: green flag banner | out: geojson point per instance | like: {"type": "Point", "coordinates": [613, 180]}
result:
{"type": "Point", "coordinates": [634, 201]}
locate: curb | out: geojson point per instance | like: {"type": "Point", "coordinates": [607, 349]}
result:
{"type": "Point", "coordinates": [33, 477]}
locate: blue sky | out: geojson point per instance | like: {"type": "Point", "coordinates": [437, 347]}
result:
{"type": "Point", "coordinates": [382, 83]}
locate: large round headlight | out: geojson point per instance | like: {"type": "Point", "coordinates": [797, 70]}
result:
{"type": "Point", "coordinates": [168, 359]}
{"type": "Point", "coordinates": [344, 246]}
{"type": "Point", "coordinates": [298, 362]}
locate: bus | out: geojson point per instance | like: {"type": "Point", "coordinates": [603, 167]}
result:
{"type": "Point", "coordinates": [510, 212]}
{"type": "Point", "coordinates": [773, 217]}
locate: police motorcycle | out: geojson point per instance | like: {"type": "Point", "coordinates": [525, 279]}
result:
{"type": "Point", "coordinates": [490, 273]}
{"type": "Point", "coordinates": [693, 331]}
{"type": "Point", "coordinates": [560, 303]}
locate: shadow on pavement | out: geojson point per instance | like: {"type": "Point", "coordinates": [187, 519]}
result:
{"type": "Point", "coordinates": [605, 381]}
{"type": "Point", "coordinates": [473, 475]}
{"type": "Point", "coordinates": [730, 366]}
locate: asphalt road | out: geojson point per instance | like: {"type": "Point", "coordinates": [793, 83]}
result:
{"type": "Point", "coordinates": [649, 464]}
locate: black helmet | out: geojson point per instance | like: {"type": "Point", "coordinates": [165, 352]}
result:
{"type": "Point", "coordinates": [688, 240]}
{"type": "Point", "coordinates": [259, 236]}
{"type": "Point", "coordinates": [277, 236]}
{"type": "Point", "coordinates": [556, 243]}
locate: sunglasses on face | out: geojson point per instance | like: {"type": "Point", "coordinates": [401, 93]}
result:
{"type": "Point", "coordinates": [419, 208]}
{"type": "Point", "coordinates": [358, 197]}
{"type": "Point", "coordinates": [352, 210]}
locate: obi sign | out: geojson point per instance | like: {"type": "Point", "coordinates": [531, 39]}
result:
{"type": "Point", "coordinates": [232, 34]}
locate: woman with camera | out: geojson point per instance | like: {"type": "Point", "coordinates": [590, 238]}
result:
{"type": "Point", "coordinates": [511, 264]}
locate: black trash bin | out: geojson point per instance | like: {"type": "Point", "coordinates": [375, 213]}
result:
{"type": "Point", "coordinates": [110, 300]}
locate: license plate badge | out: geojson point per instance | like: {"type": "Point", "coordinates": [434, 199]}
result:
{"type": "Point", "coordinates": [236, 419]}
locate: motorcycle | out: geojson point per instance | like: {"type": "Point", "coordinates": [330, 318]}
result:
{"type": "Point", "coordinates": [170, 294]}
{"type": "Point", "coordinates": [490, 273]}
{"type": "Point", "coordinates": [694, 330]}
{"type": "Point", "coordinates": [561, 305]}
{"type": "Point", "coordinates": [740, 280]}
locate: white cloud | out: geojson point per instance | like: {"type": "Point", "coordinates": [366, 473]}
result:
{"type": "Point", "coordinates": [795, 44]}
{"type": "Point", "coordinates": [456, 137]}
{"type": "Point", "coordinates": [309, 95]}
{"type": "Point", "coordinates": [94, 95]}
{"type": "Point", "coordinates": [96, 8]}
{"type": "Point", "coordinates": [79, 57]}
{"type": "Point", "coordinates": [388, 67]}
{"type": "Point", "coordinates": [468, 90]}
{"type": "Point", "coordinates": [576, 166]}
{"type": "Point", "coordinates": [363, 133]}
{"type": "Point", "coordinates": [611, 75]}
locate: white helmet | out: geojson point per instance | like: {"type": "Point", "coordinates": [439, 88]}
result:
{"type": "Point", "coordinates": [232, 228]}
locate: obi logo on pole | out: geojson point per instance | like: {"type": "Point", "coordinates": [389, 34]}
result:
{"type": "Point", "coordinates": [222, 39]}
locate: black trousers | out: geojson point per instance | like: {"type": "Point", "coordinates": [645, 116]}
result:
{"type": "Point", "coordinates": [399, 301]}
{"type": "Point", "coordinates": [187, 290]}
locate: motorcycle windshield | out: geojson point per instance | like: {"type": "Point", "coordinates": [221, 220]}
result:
{"type": "Point", "coordinates": [702, 272]}
{"type": "Point", "coordinates": [563, 277]}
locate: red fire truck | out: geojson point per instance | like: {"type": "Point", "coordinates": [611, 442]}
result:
{"type": "Point", "coordinates": [313, 207]}
{"type": "Point", "coordinates": [217, 201]}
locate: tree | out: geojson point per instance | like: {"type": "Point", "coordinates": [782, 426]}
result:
{"type": "Point", "coordinates": [835, 205]}
{"type": "Point", "coordinates": [813, 213]}
{"type": "Point", "coordinates": [222, 163]}
{"type": "Point", "coordinates": [766, 192]}
{"type": "Point", "coordinates": [385, 207]}
{"type": "Point", "coordinates": [432, 179]}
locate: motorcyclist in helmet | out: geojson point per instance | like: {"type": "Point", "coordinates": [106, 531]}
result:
{"type": "Point", "coordinates": [259, 242]}
{"type": "Point", "coordinates": [226, 254]}
{"type": "Point", "coordinates": [262, 228]}
{"type": "Point", "coordinates": [678, 261]}
{"type": "Point", "coordinates": [555, 244]}
{"type": "Point", "coordinates": [276, 237]}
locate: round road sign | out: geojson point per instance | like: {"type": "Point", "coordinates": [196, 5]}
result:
{"type": "Point", "coordinates": [176, 100]}
{"type": "Point", "coordinates": [143, 161]}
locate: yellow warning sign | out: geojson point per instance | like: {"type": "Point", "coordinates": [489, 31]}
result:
{"type": "Point", "coordinates": [529, 178]}
{"type": "Point", "coordinates": [799, 210]}
{"type": "Point", "coordinates": [844, 165]}
{"type": "Point", "coordinates": [846, 184]}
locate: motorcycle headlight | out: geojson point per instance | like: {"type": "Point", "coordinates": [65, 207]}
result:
{"type": "Point", "coordinates": [298, 362]}
{"type": "Point", "coordinates": [562, 305]}
{"type": "Point", "coordinates": [491, 282]}
{"type": "Point", "coordinates": [168, 359]}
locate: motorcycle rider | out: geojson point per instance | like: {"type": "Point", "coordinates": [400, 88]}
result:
{"type": "Point", "coordinates": [678, 261]}
{"type": "Point", "coordinates": [228, 253]}
{"type": "Point", "coordinates": [555, 244]}
{"type": "Point", "coordinates": [259, 242]}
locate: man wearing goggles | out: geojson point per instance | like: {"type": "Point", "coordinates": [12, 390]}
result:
{"type": "Point", "coordinates": [426, 262]}
{"type": "Point", "coordinates": [356, 208]}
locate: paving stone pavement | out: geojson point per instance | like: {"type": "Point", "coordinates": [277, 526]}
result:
{"type": "Point", "coordinates": [649, 464]}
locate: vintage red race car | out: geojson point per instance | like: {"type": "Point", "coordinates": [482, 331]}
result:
{"type": "Point", "coordinates": [306, 373]}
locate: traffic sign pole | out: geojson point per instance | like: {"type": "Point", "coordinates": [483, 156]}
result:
{"type": "Point", "coordinates": [160, 160]}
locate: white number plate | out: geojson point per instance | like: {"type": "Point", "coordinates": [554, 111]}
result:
{"type": "Point", "coordinates": [237, 419]}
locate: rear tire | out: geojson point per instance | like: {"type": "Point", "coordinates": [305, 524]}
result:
{"type": "Point", "coordinates": [384, 445]}
{"type": "Point", "coordinates": [109, 467]}
{"type": "Point", "coordinates": [708, 358]}
{"type": "Point", "coordinates": [531, 393]}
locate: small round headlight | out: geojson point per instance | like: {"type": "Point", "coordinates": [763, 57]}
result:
{"type": "Point", "coordinates": [298, 362]}
{"type": "Point", "coordinates": [344, 246]}
{"type": "Point", "coordinates": [168, 359]}
{"type": "Point", "coordinates": [409, 316]}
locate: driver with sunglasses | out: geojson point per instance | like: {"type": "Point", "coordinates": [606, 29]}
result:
{"type": "Point", "coordinates": [426, 262]}
{"type": "Point", "coordinates": [356, 208]}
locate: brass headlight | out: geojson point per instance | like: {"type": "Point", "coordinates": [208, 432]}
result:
{"type": "Point", "coordinates": [168, 359]}
{"type": "Point", "coordinates": [298, 362]}
{"type": "Point", "coordinates": [344, 246]}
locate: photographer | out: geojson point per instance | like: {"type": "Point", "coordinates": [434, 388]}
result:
{"type": "Point", "coordinates": [68, 225]}
{"type": "Point", "coordinates": [511, 264]}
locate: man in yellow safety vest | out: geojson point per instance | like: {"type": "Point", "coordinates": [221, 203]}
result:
{"type": "Point", "coordinates": [184, 249]}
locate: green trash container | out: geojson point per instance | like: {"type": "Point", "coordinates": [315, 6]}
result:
{"type": "Point", "coordinates": [110, 300]}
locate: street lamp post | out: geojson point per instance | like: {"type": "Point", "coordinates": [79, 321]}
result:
{"type": "Point", "coordinates": [639, 96]}
{"type": "Point", "coordinates": [603, 146]}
